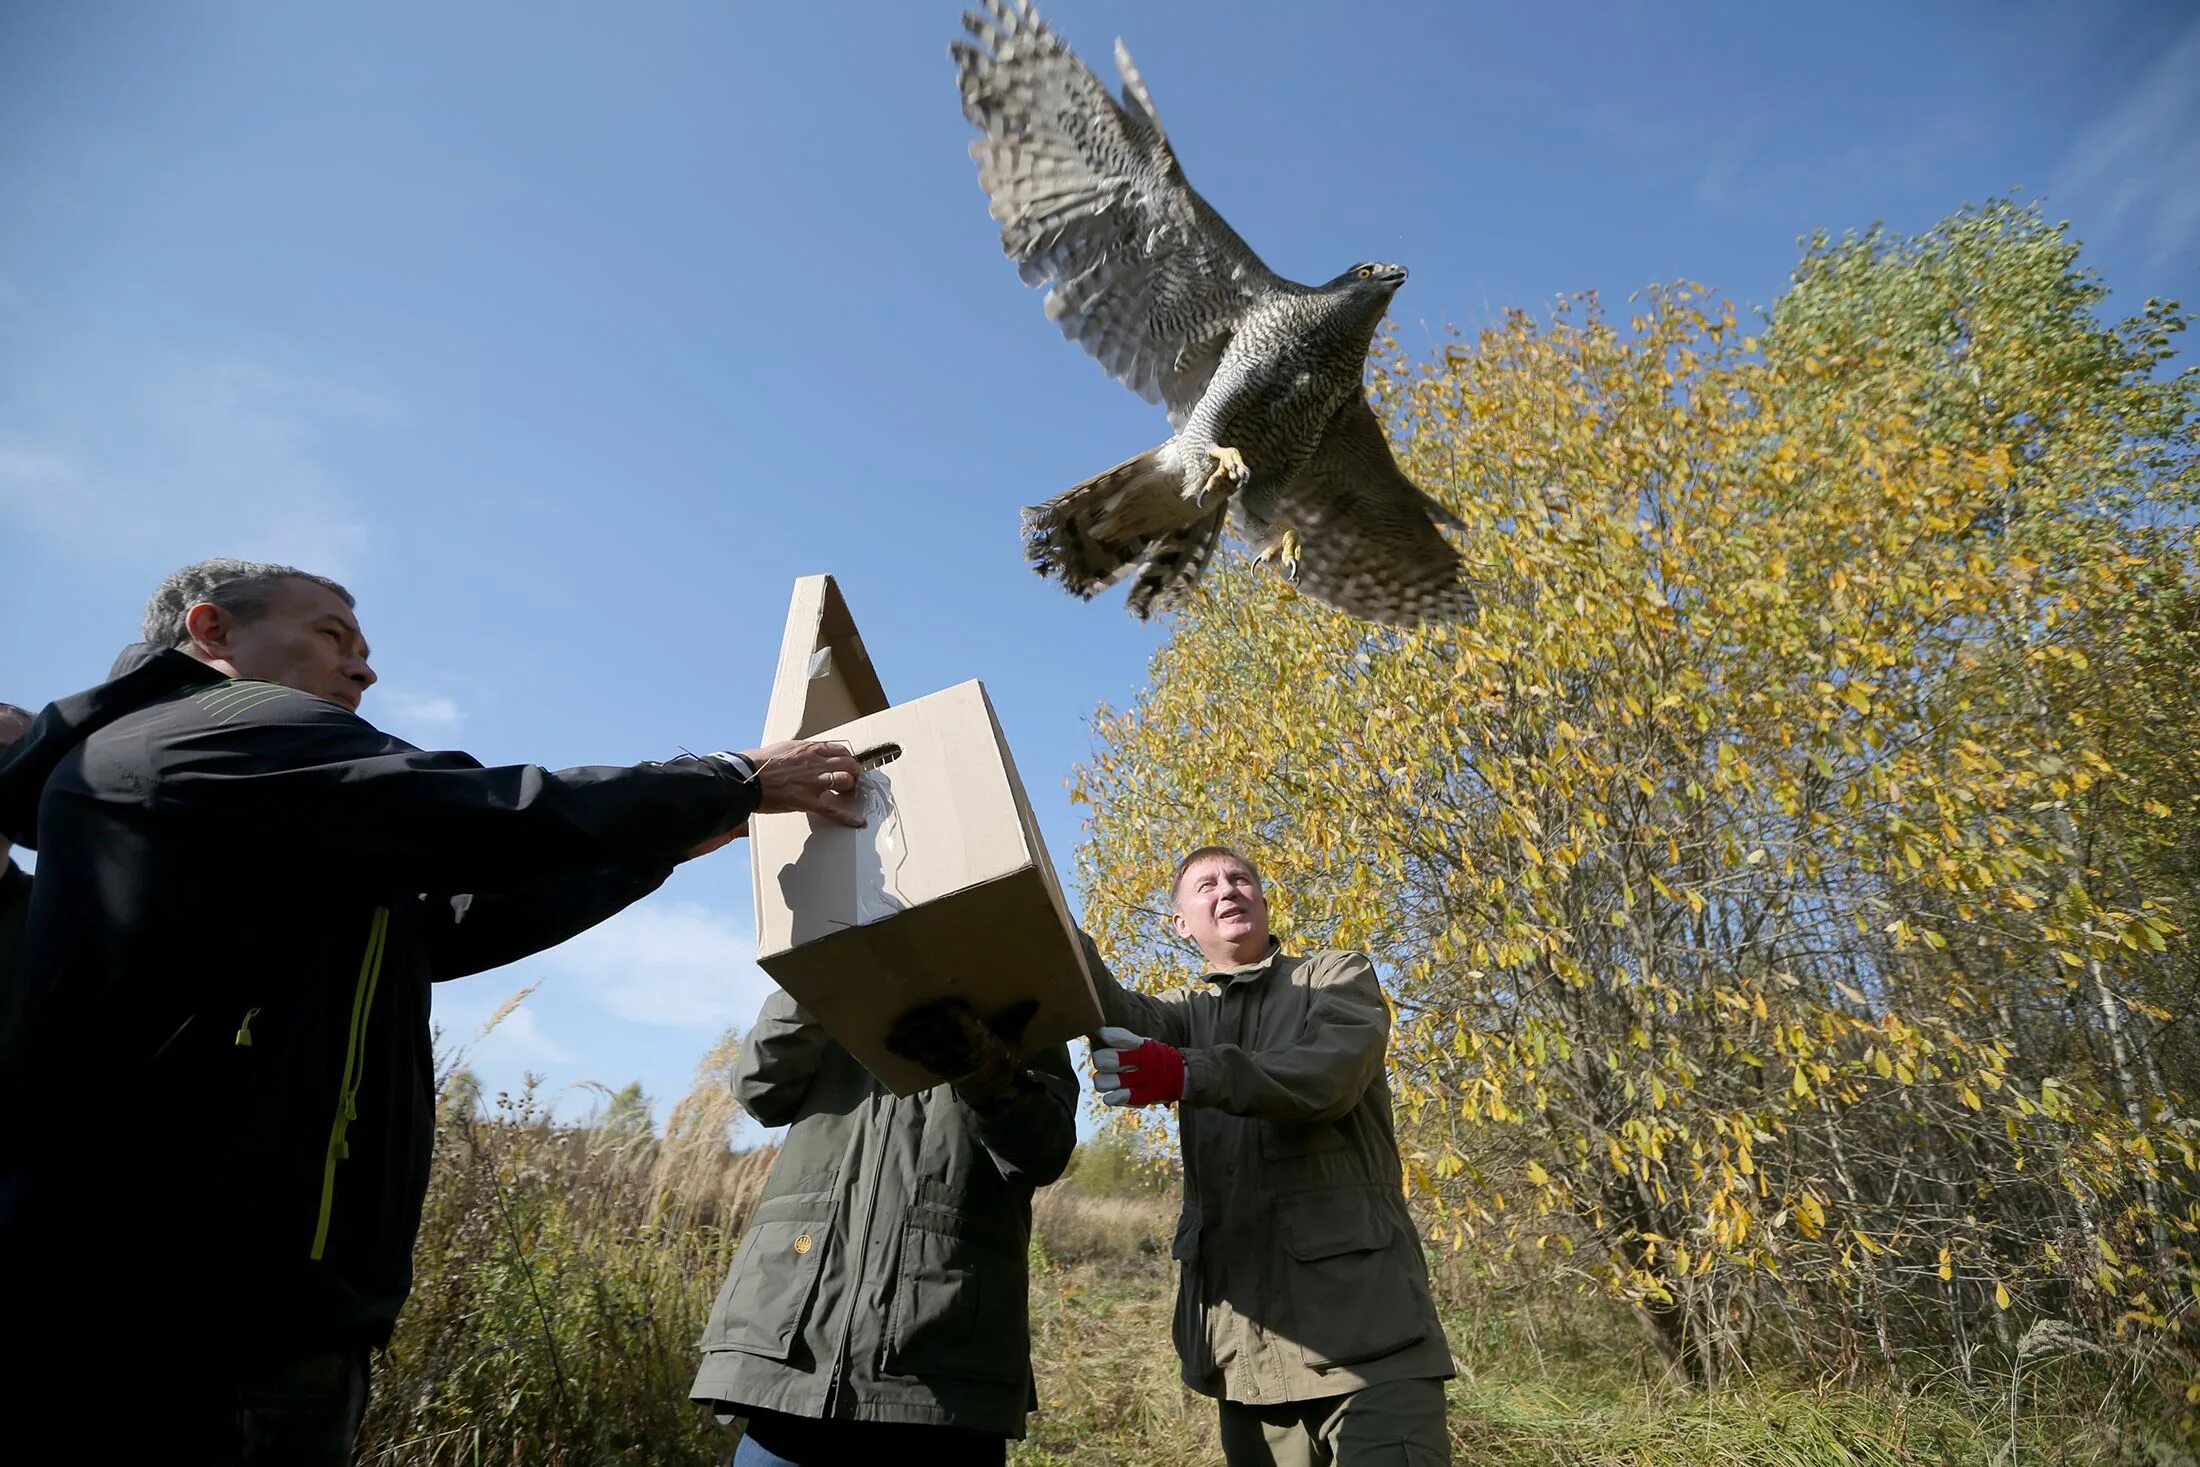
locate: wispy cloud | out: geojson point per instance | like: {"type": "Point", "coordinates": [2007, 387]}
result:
{"type": "Point", "coordinates": [164, 458]}
{"type": "Point", "coordinates": [2133, 169]}
{"type": "Point", "coordinates": [520, 1036]}
{"type": "Point", "coordinates": [1719, 183]}
{"type": "Point", "coordinates": [493, 1034]}
{"type": "Point", "coordinates": [419, 717]}
{"type": "Point", "coordinates": [680, 965]}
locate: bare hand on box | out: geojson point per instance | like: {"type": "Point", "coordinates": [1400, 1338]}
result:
{"type": "Point", "coordinates": [807, 777]}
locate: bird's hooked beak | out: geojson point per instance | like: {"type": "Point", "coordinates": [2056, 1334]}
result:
{"type": "Point", "coordinates": [1392, 275]}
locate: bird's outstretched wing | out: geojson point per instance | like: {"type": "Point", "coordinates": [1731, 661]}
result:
{"type": "Point", "coordinates": [1368, 543]}
{"type": "Point", "coordinates": [1089, 197]}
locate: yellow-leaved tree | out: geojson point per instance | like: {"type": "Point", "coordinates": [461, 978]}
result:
{"type": "Point", "coordinates": [1784, 887]}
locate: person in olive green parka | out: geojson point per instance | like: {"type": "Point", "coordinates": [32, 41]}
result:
{"type": "Point", "coordinates": [1303, 1300]}
{"type": "Point", "coordinates": [876, 1308]}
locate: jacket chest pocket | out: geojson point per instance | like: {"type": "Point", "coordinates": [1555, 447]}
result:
{"type": "Point", "coordinates": [1280, 1142]}
{"type": "Point", "coordinates": [774, 1276]}
{"type": "Point", "coordinates": [1352, 1289]}
{"type": "Point", "coordinates": [1315, 1157]}
{"type": "Point", "coordinates": [959, 1302]}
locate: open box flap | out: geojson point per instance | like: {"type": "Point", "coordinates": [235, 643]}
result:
{"type": "Point", "coordinates": [825, 678]}
{"type": "Point", "coordinates": [946, 891]}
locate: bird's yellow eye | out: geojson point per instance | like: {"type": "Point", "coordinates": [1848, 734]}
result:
{"type": "Point", "coordinates": [1365, 273]}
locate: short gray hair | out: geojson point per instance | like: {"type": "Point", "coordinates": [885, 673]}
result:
{"type": "Point", "coordinates": [243, 588]}
{"type": "Point", "coordinates": [13, 722]}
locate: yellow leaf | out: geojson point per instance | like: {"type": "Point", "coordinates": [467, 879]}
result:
{"type": "Point", "coordinates": [2001, 1294]}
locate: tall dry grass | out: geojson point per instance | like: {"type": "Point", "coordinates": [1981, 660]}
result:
{"type": "Point", "coordinates": [1543, 1380]}
{"type": "Point", "coordinates": [564, 1272]}
{"type": "Point", "coordinates": [561, 1281]}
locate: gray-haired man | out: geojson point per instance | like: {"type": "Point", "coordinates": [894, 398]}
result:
{"type": "Point", "coordinates": [216, 1092]}
{"type": "Point", "coordinates": [1303, 1303]}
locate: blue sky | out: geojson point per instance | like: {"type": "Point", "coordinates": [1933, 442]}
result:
{"type": "Point", "coordinates": [569, 334]}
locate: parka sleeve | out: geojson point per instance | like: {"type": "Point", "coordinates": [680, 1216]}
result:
{"type": "Point", "coordinates": [1322, 1072]}
{"type": "Point", "coordinates": [1162, 1016]}
{"type": "Point", "coordinates": [325, 783]}
{"type": "Point", "coordinates": [779, 1060]}
{"type": "Point", "coordinates": [1031, 1133]}
{"type": "Point", "coordinates": [470, 933]}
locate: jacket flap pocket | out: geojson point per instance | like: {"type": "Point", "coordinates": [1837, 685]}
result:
{"type": "Point", "coordinates": [1353, 1279]}
{"type": "Point", "coordinates": [1006, 1235]}
{"type": "Point", "coordinates": [807, 1196]}
{"type": "Point", "coordinates": [959, 1305]}
{"type": "Point", "coordinates": [1281, 1142]}
{"type": "Point", "coordinates": [1329, 1225]}
{"type": "Point", "coordinates": [767, 1295]}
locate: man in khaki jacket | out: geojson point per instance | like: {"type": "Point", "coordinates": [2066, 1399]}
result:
{"type": "Point", "coordinates": [1302, 1300]}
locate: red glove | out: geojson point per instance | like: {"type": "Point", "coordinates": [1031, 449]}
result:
{"type": "Point", "coordinates": [1136, 1071]}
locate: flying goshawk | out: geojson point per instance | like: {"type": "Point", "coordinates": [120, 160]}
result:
{"type": "Point", "coordinates": [1261, 376]}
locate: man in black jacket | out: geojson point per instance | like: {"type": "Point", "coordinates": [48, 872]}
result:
{"type": "Point", "coordinates": [215, 1075]}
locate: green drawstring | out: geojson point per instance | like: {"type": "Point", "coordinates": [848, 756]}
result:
{"type": "Point", "coordinates": [355, 1057]}
{"type": "Point", "coordinates": [244, 1031]}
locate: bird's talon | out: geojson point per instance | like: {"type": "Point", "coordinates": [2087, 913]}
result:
{"type": "Point", "coordinates": [1229, 464]}
{"type": "Point", "coordinates": [1284, 551]}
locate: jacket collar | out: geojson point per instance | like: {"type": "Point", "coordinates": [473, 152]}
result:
{"type": "Point", "coordinates": [1246, 972]}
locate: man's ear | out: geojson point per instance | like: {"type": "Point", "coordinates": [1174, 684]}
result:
{"type": "Point", "coordinates": [209, 627]}
{"type": "Point", "coordinates": [1183, 928]}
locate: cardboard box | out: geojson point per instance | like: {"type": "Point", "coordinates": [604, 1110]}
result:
{"type": "Point", "coordinates": [948, 889]}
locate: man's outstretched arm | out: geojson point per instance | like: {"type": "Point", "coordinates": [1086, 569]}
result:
{"type": "Point", "coordinates": [327, 784]}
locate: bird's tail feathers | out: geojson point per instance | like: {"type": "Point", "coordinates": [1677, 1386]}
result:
{"type": "Point", "coordinates": [1131, 517]}
{"type": "Point", "coordinates": [1174, 563]}
{"type": "Point", "coordinates": [1439, 513]}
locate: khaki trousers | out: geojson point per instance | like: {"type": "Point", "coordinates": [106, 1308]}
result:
{"type": "Point", "coordinates": [1398, 1423]}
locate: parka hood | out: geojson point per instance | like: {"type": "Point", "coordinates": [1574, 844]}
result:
{"type": "Point", "coordinates": [141, 676]}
